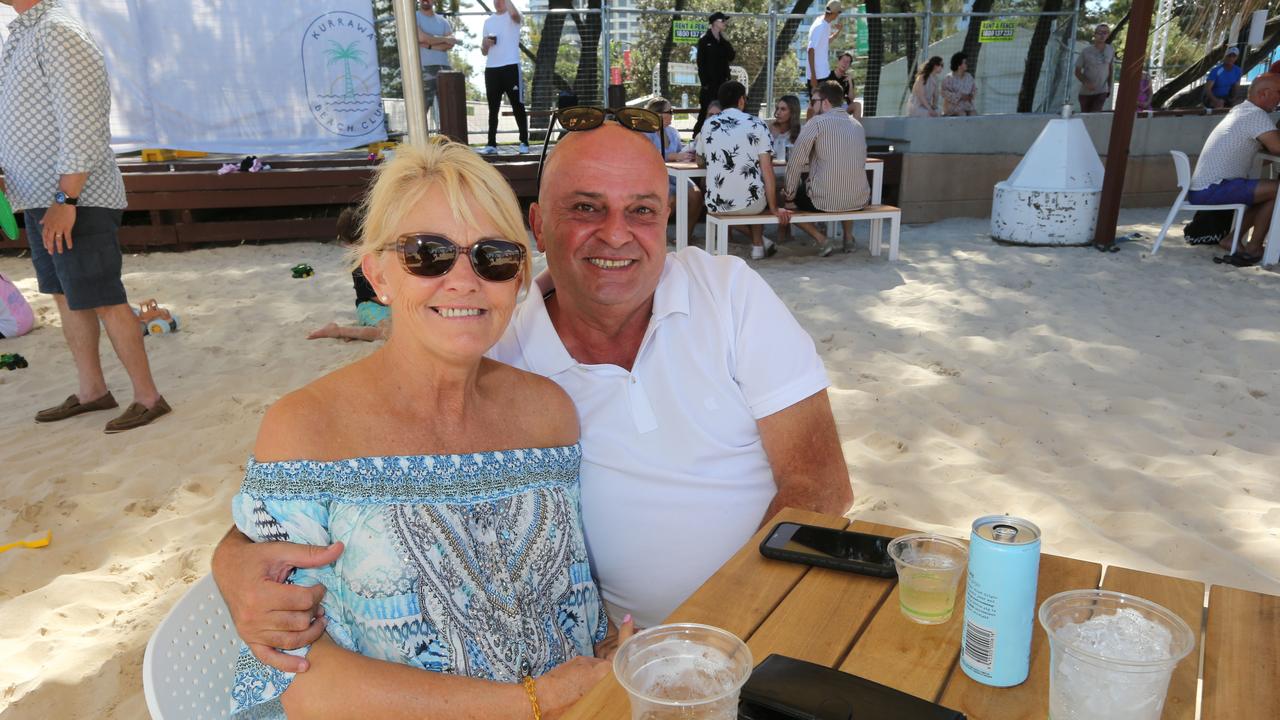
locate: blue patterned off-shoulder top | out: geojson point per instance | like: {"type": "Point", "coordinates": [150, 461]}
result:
{"type": "Point", "coordinates": [467, 564]}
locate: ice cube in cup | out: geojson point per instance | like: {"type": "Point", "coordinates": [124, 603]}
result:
{"type": "Point", "coordinates": [685, 671]}
{"type": "Point", "coordinates": [1111, 655]}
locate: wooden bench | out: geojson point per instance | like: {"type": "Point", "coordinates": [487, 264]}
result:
{"type": "Point", "coordinates": [718, 225]}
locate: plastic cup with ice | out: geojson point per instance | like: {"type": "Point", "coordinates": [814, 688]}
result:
{"type": "Point", "coordinates": [1111, 655]}
{"type": "Point", "coordinates": [929, 570]}
{"type": "Point", "coordinates": [685, 671]}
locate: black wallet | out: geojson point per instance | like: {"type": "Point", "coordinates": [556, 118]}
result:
{"type": "Point", "coordinates": [783, 688]}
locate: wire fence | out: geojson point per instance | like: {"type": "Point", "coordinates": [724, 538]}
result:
{"type": "Point", "coordinates": [1021, 61]}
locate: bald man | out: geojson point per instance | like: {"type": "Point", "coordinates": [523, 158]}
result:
{"type": "Point", "coordinates": [702, 401]}
{"type": "Point", "coordinates": [1222, 170]}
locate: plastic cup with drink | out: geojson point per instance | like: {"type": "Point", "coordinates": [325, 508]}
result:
{"type": "Point", "coordinates": [929, 569]}
{"type": "Point", "coordinates": [685, 671]}
{"type": "Point", "coordinates": [1111, 655]}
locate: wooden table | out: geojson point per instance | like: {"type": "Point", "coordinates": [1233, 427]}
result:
{"type": "Point", "coordinates": [683, 172]}
{"type": "Point", "coordinates": [852, 622]}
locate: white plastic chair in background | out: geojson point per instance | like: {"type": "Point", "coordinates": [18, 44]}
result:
{"type": "Point", "coordinates": [189, 664]}
{"type": "Point", "coordinates": [1183, 168]}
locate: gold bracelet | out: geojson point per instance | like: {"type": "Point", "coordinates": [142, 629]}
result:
{"type": "Point", "coordinates": [533, 697]}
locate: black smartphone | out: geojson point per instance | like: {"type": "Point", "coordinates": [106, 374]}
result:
{"type": "Point", "coordinates": [835, 549]}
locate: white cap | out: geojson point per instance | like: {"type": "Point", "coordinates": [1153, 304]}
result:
{"type": "Point", "coordinates": [1232, 51]}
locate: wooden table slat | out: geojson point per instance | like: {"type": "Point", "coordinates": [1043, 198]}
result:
{"type": "Point", "coordinates": [1030, 700]}
{"type": "Point", "coordinates": [1241, 655]}
{"type": "Point", "coordinates": [1185, 598]}
{"type": "Point", "coordinates": [756, 584]}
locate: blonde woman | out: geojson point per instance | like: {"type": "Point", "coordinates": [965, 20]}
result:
{"type": "Point", "coordinates": [464, 589]}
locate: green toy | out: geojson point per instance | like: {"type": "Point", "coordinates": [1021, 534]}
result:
{"type": "Point", "coordinates": [8, 223]}
{"type": "Point", "coordinates": [12, 361]}
{"type": "Point", "coordinates": [302, 270]}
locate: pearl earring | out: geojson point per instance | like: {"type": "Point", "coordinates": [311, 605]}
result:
{"type": "Point", "coordinates": [384, 299]}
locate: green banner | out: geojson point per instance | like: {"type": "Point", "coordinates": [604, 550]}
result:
{"type": "Point", "coordinates": [687, 32]}
{"type": "Point", "coordinates": [860, 44]}
{"type": "Point", "coordinates": [996, 31]}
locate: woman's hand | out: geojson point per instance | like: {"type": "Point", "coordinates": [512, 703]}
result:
{"type": "Point", "coordinates": [559, 689]}
{"type": "Point", "coordinates": [608, 647]}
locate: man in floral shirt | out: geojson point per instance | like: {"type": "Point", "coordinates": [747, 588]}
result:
{"type": "Point", "coordinates": [735, 148]}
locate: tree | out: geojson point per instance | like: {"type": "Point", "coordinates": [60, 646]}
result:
{"type": "Point", "coordinates": [1035, 54]}
{"type": "Point", "coordinates": [345, 54]}
{"type": "Point", "coordinates": [875, 58]}
{"type": "Point", "coordinates": [546, 56]}
{"type": "Point", "coordinates": [586, 84]}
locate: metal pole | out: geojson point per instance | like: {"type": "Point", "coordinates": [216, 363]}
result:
{"type": "Point", "coordinates": [1135, 49]}
{"type": "Point", "coordinates": [1071, 55]}
{"type": "Point", "coordinates": [411, 71]}
{"type": "Point", "coordinates": [925, 31]}
{"type": "Point", "coordinates": [605, 49]}
{"type": "Point", "coordinates": [772, 62]}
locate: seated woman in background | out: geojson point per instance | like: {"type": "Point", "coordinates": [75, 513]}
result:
{"type": "Point", "coordinates": [923, 101]}
{"type": "Point", "coordinates": [959, 88]}
{"type": "Point", "coordinates": [784, 128]}
{"type": "Point", "coordinates": [373, 318]}
{"type": "Point", "coordinates": [451, 479]}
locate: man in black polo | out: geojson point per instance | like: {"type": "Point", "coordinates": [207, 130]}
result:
{"type": "Point", "coordinates": [714, 55]}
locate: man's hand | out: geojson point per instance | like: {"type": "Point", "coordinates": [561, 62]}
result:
{"type": "Point", "coordinates": [486, 45]}
{"type": "Point", "coordinates": [268, 613]}
{"type": "Point", "coordinates": [784, 216]}
{"type": "Point", "coordinates": [57, 224]}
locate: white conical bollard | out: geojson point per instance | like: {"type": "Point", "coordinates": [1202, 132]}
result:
{"type": "Point", "coordinates": [1052, 196]}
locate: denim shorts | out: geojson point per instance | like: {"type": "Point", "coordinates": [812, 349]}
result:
{"type": "Point", "coordinates": [1236, 191]}
{"type": "Point", "coordinates": [89, 273]}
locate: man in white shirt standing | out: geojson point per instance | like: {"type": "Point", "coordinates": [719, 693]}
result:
{"type": "Point", "coordinates": [702, 401]}
{"type": "Point", "coordinates": [1222, 170]}
{"type": "Point", "coordinates": [501, 48]}
{"type": "Point", "coordinates": [821, 33]}
{"type": "Point", "coordinates": [435, 40]}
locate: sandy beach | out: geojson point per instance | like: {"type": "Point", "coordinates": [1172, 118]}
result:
{"type": "Point", "coordinates": [1128, 404]}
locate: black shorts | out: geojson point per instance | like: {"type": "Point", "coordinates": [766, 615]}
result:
{"type": "Point", "coordinates": [89, 273]}
{"type": "Point", "coordinates": [802, 198]}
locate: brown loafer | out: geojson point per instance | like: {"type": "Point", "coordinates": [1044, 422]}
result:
{"type": "Point", "coordinates": [72, 407]}
{"type": "Point", "coordinates": [137, 415]}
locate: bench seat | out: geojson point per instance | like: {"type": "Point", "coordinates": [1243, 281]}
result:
{"type": "Point", "coordinates": [718, 225]}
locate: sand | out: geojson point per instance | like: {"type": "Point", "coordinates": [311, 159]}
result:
{"type": "Point", "coordinates": [1126, 403]}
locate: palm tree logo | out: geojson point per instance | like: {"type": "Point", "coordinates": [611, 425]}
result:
{"type": "Point", "coordinates": [345, 54]}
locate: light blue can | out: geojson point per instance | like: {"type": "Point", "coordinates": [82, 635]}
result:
{"type": "Point", "coordinates": [1000, 600]}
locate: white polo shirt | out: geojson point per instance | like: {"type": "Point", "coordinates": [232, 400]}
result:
{"type": "Point", "coordinates": [674, 476]}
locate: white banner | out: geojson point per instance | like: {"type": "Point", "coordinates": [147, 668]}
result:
{"type": "Point", "coordinates": [237, 76]}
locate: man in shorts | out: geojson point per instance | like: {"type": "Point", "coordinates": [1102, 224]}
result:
{"type": "Point", "coordinates": [1222, 170]}
{"type": "Point", "coordinates": [59, 169]}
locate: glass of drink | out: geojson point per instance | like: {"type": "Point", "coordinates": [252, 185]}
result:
{"type": "Point", "coordinates": [1111, 655]}
{"type": "Point", "coordinates": [929, 569]}
{"type": "Point", "coordinates": [684, 671]}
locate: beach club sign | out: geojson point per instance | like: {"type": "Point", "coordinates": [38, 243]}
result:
{"type": "Point", "coordinates": [237, 76]}
{"type": "Point", "coordinates": [340, 68]}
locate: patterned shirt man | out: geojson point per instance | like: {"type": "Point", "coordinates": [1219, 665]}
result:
{"type": "Point", "coordinates": [732, 143]}
{"type": "Point", "coordinates": [832, 147]}
{"type": "Point", "coordinates": [55, 109]}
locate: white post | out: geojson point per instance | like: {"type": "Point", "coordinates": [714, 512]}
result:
{"type": "Point", "coordinates": [411, 71]}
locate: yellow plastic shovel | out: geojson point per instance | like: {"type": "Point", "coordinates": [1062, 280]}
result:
{"type": "Point", "coordinates": [42, 542]}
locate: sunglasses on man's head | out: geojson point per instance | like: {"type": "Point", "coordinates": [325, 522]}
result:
{"type": "Point", "coordinates": [430, 255]}
{"type": "Point", "coordinates": [585, 117]}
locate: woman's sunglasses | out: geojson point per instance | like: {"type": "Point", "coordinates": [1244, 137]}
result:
{"type": "Point", "coordinates": [429, 255]}
{"type": "Point", "coordinates": [584, 117]}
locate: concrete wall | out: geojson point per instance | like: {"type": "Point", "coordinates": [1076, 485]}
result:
{"type": "Point", "coordinates": [951, 165]}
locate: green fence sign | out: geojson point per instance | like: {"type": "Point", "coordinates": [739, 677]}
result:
{"type": "Point", "coordinates": [860, 44]}
{"type": "Point", "coordinates": [996, 31]}
{"type": "Point", "coordinates": [687, 32]}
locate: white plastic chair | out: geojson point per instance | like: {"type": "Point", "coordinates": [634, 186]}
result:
{"type": "Point", "coordinates": [189, 664]}
{"type": "Point", "coordinates": [1183, 168]}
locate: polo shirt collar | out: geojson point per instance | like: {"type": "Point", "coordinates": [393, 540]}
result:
{"type": "Point", "coordinates": [541, 345]}
{"type": "Point", "coordinates": [32, 16]}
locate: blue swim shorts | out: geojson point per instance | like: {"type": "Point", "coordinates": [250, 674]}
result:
{"type": "Point", "coordinates": [1236, 191]}
{"type": "Point", "coordinates": [369, 313]}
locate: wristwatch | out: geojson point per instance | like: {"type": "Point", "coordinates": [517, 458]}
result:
{"type": "Point", "coordinates": [62, 198]}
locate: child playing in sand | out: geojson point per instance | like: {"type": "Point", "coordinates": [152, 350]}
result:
{"type": "Point", "coordinates": [374, 318]}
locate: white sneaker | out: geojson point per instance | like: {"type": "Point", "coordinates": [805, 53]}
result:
{"type": "Point", "coordinates": [757, 252]}
{"type": "Point", "coordinates": [523, 149]}
{"type": "Point", "coordinates": [488, 150]}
